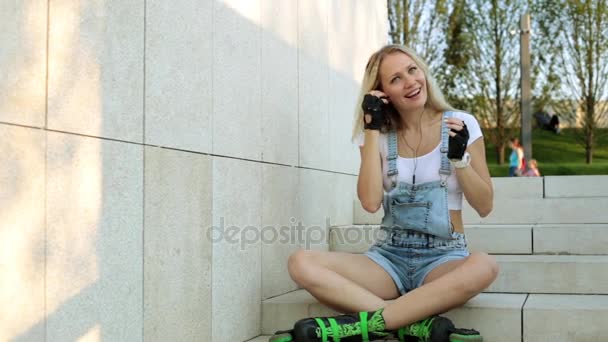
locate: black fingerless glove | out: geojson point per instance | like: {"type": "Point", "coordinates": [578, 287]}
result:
{"type": "Point", "coordinates": [458, 143]}
{"type": "Point", "coordinates": [375, 107]}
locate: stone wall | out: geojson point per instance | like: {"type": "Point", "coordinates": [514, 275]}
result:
{"type": "Point", "coordinates": [137, 136]}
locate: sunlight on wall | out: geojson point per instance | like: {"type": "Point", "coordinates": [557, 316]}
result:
{"type": "Point", "coordinates": [23, 60]}
{"type": "Point", "coordinates": [71, 252]}
{"type": "Point", "coordinates": [74, 72]}
{"type": "Point", "coordinates": [246, 8]}
{"type": "Point", "coordinates": [74, 188]}
{"type": "Point", "coordinates": [21, 230]}
{"type": "Point", "coordinates": [75, 172]}
{"type": "Point", "coordinates": [92, 335]}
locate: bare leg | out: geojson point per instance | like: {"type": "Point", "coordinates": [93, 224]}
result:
{"type": "Point", "coordinates": [448, 286]}
{"type": "Point", "coordinates": [342, 281]}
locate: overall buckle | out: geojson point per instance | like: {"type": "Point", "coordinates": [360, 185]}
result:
{"type": "Point", "coordinates": [443, 175]}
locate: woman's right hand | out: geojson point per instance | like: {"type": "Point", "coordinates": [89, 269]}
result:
{"type": "Point", "coordinates": [369, 183]}
{"type": "Point", "coordinates": [374, 109]}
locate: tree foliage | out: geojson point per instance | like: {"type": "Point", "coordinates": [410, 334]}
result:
{"type": "Point", "coordinates": [473, 48]}
{"type": "Point", "coordinates": [576, 62]}
{"type": "Point", "coordinates": [419, 24]}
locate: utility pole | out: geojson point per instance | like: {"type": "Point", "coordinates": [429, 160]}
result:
{"type": "Point", "coordinates": [526, 97]}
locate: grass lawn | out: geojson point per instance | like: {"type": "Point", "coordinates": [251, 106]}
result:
{"type": "Point", "coordinates": [558, 154]}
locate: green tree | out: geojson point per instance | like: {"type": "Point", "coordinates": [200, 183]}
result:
{"type": "Point", "coordinates": [545, 77]}
{"type": "Point", "coordinates": [457, 56]}
{"type": "Point", "coordinates": [419, 24]}
{"type": "Point", "coordinates": [490, 82]}
{"type": "Point", "coordinates": [578, 59]}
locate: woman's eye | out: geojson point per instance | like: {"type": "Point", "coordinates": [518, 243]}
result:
{"type": "Point", "coordinates": [394, 78]}
{"type": "Point", "coordinates": [413, 70]}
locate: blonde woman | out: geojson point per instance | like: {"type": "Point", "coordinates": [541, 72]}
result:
{"type": "Point", "coordinates": [419, 157]}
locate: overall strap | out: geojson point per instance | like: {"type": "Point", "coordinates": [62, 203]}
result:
{"type": "Point", "coordinates": [392, 158]}
{"type": "Point", "coordinates": [445, 171]}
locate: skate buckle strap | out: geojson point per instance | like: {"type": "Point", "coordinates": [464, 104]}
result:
{"type": "Point", "coordinates": [334, 329]}
{"type": "Point", "coordinates": [323, 329]}
{"type": "Point", "coordinates": [363, 319]}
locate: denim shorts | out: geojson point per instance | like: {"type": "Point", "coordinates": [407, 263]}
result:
{"type": "Point", "coordinates": [408, 256]}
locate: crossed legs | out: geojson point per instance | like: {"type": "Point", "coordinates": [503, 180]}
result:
{"type": "Point", "coordinates": [352, 283]}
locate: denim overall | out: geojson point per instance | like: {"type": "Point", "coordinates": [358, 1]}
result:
{"type": "Point", "coordinates": [416, 234]}
{"type": "Point", "coordinates": [422, 207]}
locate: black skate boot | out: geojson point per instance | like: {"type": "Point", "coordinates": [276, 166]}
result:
{"type": "Point", "coordinates": [348, 328]}
{"type": "Point", "coordinates": [436, 329]}
{"type": "Point", "coordinates": [361, 327]}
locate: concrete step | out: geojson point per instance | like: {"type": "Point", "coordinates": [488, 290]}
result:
{"type": "Point", "coordinates": [482, 312]}
{"type": "Point", "coordinates": [493, 239]}
{"type": "Point", "coordinates": [507, 188]}
{"type": "Point", "coordinates": [580, 274]}
{"type": "Point", "coordinates": [499, 317]}
{"type": "Point", "coordinates": [564, 274]}
{"type": "Point", "coordinates": [520, 211]}
{"type": "Point", "coordinates": [576, 186]}
{"type": "Point", "coordinates": [525, 200]}
{"type": "Point", "coordinates": [582, 239]}
{"type": "Point", "coordinates": [575, 239]}
{"type": "Point", "coordinates": [542, 211]}
{"type": "Point", "coordinates": [500, 239]}
{"type": "Point", "coordinates": [565, 318]}
{"type": "Point", "coordinates": [518, 187]}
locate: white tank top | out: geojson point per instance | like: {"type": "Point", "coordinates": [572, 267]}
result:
{"type": "Point", "coordinates": [428, 165]}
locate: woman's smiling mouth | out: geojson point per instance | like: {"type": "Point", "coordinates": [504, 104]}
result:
{"type": "Point", "coordinates": [414, 93]}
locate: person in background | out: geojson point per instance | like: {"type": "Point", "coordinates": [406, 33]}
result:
{"type": "Point", "coordinates": [554, 124]}
{"type": "Point", "coordinates": [516, 158]}
{"type": "Point", "coordinates": [532, 170]}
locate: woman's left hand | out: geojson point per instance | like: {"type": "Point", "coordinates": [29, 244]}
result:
{"type": "Point", "coordinates": [459, 137]}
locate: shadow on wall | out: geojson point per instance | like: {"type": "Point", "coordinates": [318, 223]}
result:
{"type": "Point", "coordinates": [91, 250]}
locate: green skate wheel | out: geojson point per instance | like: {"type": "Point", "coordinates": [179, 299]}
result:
{"type": "Point", "coordinates": [281, 337]}
{"type": "Point", "coordinates": [455, 337]}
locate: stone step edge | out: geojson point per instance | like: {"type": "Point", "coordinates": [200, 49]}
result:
{"type": "Point", "coordinates": [301, 296]}
{"type": "Point", "coordinates": [493, 300]}
{"type": "Point", "coordinates": [549, 258]}
{"type": "Point", "coordinates": [525, 306]}
{"type": "Point", "coordinates": [521, 239]}
{"type": "Point", "coordinates": [493, 225]}
{"type": "Point", "coordinates": [300, 304]}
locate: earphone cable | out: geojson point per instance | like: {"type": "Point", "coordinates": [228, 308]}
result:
{"type": "Point", "coordinates": [417, 147]}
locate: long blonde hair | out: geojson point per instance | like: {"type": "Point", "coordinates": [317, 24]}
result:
{"type": "Point", "coordinates": [371, 81]}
